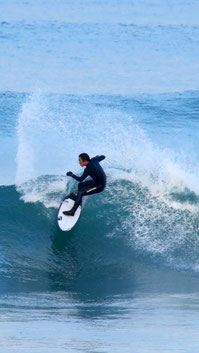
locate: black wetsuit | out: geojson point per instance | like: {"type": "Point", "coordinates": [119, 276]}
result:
{"type": "Point", "coordinates": [91, 186]}
{"type": "Point", "coordinates": [95, 171]}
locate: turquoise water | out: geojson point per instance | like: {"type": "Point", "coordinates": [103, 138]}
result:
{"type": "Point", "coordinates": [112, 78]}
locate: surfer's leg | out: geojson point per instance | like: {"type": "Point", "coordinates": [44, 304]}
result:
{"type": "Point", "coordinates": [84, 185]}
{"type": "Point", "coordinates": [77, 196]}
{"type": "Point", "coordinates": [78, 201]}
{"type": "Point", "coordinates": [86, 191]}
{"type": "Point", "coordinates": [82, 188]}
{"type": "Point", "coordinates": [87, 187]}
{"type": "Point", "coordinates": [95, 189]}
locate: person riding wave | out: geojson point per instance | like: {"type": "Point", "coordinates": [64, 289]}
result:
{"type": "Point", "coordinates": [92, 186]}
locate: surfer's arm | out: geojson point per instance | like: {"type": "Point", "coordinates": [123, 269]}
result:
{"type": "Point", "coordinates": [100, 158]}
{"type": "Point", "coordinates": [81, 178]}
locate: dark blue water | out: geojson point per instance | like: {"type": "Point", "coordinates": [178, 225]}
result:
{"type": "Point", "coordinates": [111, 78]}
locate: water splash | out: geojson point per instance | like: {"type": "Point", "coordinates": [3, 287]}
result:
{"type": "Point", "coordinates": [53, 130]}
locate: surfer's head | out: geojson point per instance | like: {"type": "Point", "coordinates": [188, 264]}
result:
{"type": "Point", "coordinates": [84, 159]}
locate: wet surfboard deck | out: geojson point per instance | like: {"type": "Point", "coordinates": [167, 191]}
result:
{"type": "Point", "coordinates": [66, 223]}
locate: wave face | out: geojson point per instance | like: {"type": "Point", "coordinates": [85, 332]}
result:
{"type": "Point", "coordinates": [148, 213]}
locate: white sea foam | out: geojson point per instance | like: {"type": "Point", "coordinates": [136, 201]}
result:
{"type": "Point", "coordinates": [52, 131]}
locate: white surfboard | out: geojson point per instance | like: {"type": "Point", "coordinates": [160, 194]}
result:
{"type": "Point", "coordinates": [66, 223]}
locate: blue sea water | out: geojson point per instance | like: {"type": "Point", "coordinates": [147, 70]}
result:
{"type": "Point", "coordinates": [119, 78]}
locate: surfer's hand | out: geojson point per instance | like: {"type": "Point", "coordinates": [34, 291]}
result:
{"type": "Point", "coordinates": [69, 174]}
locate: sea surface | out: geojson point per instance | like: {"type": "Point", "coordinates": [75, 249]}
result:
{"type": "Point", "coordinates": [119, 78]}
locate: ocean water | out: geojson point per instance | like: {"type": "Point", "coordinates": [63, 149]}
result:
{"type": "Point", "coordinates": [119, 78]}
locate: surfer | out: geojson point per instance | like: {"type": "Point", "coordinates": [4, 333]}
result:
{"type": "Point", "coordinates": [91, 186]}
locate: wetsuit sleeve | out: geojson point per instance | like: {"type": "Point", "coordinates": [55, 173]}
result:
{"type": "Point", "coordinates": [100, 158]}
{"type": "Point", "coordinates": [81, 178]}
